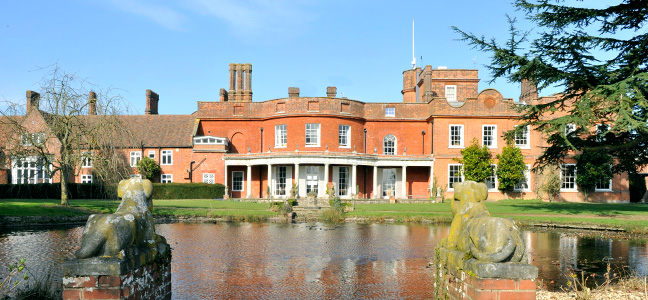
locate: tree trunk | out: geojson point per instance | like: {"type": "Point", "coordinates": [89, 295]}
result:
{"type": "Point", "coordinates": [64, 192]}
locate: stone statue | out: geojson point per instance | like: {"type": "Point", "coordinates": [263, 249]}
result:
{"type": "Point", "coordinates": [474, 232]}
{"type": "Point", "coordinates": [130, 231]}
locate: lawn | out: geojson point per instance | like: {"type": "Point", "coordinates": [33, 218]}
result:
{"type": "Point", "coordinates": [632, 217]}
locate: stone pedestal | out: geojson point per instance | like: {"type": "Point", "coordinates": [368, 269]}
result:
{"type": "Point", "coordinates": [457, 278]}
{"type": "Point", "coordinates": [114, 278]}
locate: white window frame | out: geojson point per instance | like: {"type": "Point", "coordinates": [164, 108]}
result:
{"type": "Point", "coordinates": [562, 179]}
{"type": "Point", "coordinates": [86, 178]}
{"type": "Point", "coordinates": [35, 168]}
{"type": "Point", "coordinates": [493, 136]}
{"type": "Point", "coordinates": [461, 136]}
{"type": "Point", "coordinates": [86, 160]}
{"type": "Point", "coordinates": [609, 189]}
{"type": "Point", "coordinates": [569, 128]}
{"type": "Point", "coordinates": [386, 150]}
{"type": "Point", "coordinates": [312, 131]}
{"type": "Point", "coordinates": [166, 178]}
{"type": "Point", "coordinates": [135, 157]}
{"type": "Point", "coordinates": [209, 178]}
{"type": "Point", "coordinates": [278, 178]}
{"type": "Point", "coordinates": [343, 181]}
{"type": "Point", "coordinates": [451, 92]}
{"type": "Point", "coordinates": [312, 179]}
{"type": "Point", "coordinates": [345, 136]}
{"type": "Point", "coordinates": [390, 111]}
{"type": "Point", "coordinates": [601, 131]}
{"type": "Point", "coordinates": [494, 177]}
{"type": "Point", "coordinates": [28, 139]}
{"type": "Point", "coordinates": [209, 140]}
{"type": "Point", "coordinates": [527, 178]}
{"type": "Point", "coordinates": [461, 176]}
{"type": "Point", "coordinates": [525, 135]}
{"type": "Point", "coordinates": [281, 136]}
{"type": "Point", "coordinates": [151, 154]}
{"type": "Point", "coordinates": [238, 180]}
{"type": "Point", "coordinates": [167, 158]}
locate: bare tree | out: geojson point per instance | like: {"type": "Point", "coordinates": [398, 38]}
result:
{"type": "Point", "coordinates": [70, 122]}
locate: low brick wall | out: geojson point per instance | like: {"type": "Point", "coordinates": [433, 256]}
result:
{"type": "Point", "coordinates": [99, 278]}
{"type": "Point", "coordinates": [456, 278]}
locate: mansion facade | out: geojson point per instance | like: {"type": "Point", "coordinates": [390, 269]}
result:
{"type": "Point", "coordinates": [361, 149]}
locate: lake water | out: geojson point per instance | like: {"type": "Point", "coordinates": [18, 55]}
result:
{"type": "Point", "coordinates": [317, 260]}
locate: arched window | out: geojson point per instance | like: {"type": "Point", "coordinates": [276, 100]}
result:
{"type": "Point", "coordinates": [389, 145]}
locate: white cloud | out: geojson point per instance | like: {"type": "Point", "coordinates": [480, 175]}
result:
{"type": "Point", "coordinates": [164, 16]}
{"type": "Point", "coordinates": [257, 18]}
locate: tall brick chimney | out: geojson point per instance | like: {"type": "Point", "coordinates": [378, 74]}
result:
{"type": "Point", "coordinates": [240, 89]}
{"type": "Point", "coordinates": [33, 100]}
{"type": "Point", "coordinates": [529, 91]}
{"type": "Point", "coordinates": [92, 103]}
{"type": "Point", "coordinates": [223, 95]}
{"type": "Point", "coordinates": [152, 99]}
{"type": "Point", "coordinates": [293, 92]}
{"type": "Point", "coordinates": [331, 91]}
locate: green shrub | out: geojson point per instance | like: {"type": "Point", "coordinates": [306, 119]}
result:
{"type": "Point", "coordinates": [188, 191]}
{"type": "Point", "coordinates": [53, 191]}
{"type": "Point", "coordinates": [148, 168]}
{"type": "Point", "coordinates": [333, 216]}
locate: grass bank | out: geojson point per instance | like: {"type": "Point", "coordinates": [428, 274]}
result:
{"type": "Point", "coordinates": [630, 217]}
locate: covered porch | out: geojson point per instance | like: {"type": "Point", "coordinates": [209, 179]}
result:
{"type": "Point", "coordinates": [350, 176]}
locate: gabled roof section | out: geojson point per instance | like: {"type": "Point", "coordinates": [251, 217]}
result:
{"type": "Point", "coordinates": [160, 130]}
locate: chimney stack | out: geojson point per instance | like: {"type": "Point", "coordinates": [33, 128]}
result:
{"type": "Point", "coordinates": [33, 100]}
{"type": "Point", "coordinates": [331, 91]}
{"type": "Point", "coordinates": [223, 95]}
{"type": "Point", "coordinates": [529, 91]}
{"type": "Point", "coordinates": [92, 103]}
{"type": "Point", "coordinates": [152, 99]}
{"type": "Point", "coordinates": [293, 92]}
{"type": "Point", "coordinates": [240, 89]}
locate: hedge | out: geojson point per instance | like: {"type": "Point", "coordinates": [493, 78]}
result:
{"type": "Point", "coordinates": [97, 191]}
{"type": "Point", "coordinates": [188, 191]}
{"type": "Point", "coordinates": [52, 191]}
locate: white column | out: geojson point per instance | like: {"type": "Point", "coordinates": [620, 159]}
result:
{"type": "Point", "coordinates": [375, 183]}
{"type": "Point", "coordinates": [432, 193]}
{"type": "Point", "coordinates": [270, 180]}
{"type": "Point", "coordinates": [229, 188]}
{"type": "Point", "coordinates": [326, 179]}
{"type": "Point", "coordinates": [404, 177]}
{"type": "Point", "coordinates": [249, 181]}
{"type": "Point", "coordinates": [297, 178]}
{"type": "Point", "coordinates": [354, 179]}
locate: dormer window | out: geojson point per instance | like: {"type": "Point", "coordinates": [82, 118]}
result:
{"type": "Point", "coordinates": [209, 140]}
{"type": "Point", "coordinates": [451, 92]}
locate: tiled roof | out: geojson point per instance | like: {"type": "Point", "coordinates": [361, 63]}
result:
{"type": "Point", "coordinates": [160, 130]}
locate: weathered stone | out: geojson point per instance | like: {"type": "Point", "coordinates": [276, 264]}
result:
{"type": "Point", "coordinates": [475, 233]}
{"type": "Point", "coordinates": [129, 233]}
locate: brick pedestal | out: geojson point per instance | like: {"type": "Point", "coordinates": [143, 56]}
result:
{"type": "Point", "coordinates": [456, 278]}
{"type": "Point", "coordinates": [111, 278]}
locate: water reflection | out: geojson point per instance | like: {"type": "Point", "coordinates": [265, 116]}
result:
{"type": "Point", "coordinates": [248, 260]}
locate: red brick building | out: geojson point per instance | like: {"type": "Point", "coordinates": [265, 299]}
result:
{"type": "Point", "coordinates": [366, 150]}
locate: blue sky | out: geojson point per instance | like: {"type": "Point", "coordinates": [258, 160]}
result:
{"type": "Point", "coordinates": [182, 49]}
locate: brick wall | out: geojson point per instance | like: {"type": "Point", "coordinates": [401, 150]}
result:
{"type": "Point", "coordinates": [152, 281]}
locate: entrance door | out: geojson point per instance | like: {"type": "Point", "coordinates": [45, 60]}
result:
{"type": "Point", "coordinates": [312, 179]}
{"type": "Point", "coordinates": [389, 183]}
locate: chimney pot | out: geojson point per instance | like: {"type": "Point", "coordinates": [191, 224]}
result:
{"type": "Point", "coordinates": [293, 92]}
{"type": "Point", "coordinates": [331, 92]}
{"type": "Point", "coordinates": [223, 95]}
{"type": "Point", "coordinates": [152, 99]}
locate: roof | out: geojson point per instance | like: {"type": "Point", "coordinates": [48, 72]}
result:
{"type": "Point", "coordinates": [160, 130]}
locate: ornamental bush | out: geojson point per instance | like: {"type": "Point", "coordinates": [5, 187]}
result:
{"type": "Point", "coordinates": [510, 167]}
{"type": "Point", "coordinates": [148, 168]}
{"type": "Point", "coordinates": [476, 162]}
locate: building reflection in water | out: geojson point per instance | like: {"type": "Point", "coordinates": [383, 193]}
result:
{"type": "Point", "coordinates": [378, 261]}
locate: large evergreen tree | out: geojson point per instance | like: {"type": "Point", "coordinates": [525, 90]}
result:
{"type": "Point", "coordinates": [598, 57]}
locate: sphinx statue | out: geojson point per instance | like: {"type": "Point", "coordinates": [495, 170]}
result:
{"type": "Point", "coordinates": [475, 233]}
{"type": "Point", "coordinates": [130, 231]}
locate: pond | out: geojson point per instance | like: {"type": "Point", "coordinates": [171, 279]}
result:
{"type": "Point", "coordinates": [317, 260]}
